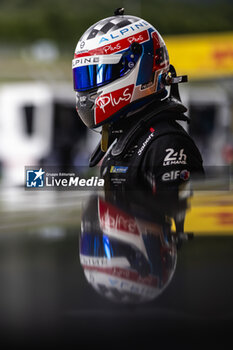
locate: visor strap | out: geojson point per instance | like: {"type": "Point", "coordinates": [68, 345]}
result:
{"type": "Point", "coordinates": [104, 139]}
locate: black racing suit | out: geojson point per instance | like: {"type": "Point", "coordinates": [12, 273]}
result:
{"type": "Point", "coordinates": [157, 153]}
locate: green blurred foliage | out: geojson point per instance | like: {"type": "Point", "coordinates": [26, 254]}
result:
{"type": "Point", "coordinates": [24, 21]}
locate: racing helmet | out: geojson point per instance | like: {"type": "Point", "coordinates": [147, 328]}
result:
{"type": "Point", "coordinates": [124, 259]}
{"type": "Point", "coordinates": [118, 67]}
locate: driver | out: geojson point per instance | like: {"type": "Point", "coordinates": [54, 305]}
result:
{"type": "Point", "coordinates": [126, 88]}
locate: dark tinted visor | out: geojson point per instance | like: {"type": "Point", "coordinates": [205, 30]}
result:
{"type": "Point", "coordinates": [103, 246]}
{"type": "Point", "coordinates": [101, 70]}
{"type": "Point", "coordinates": [98, 246]}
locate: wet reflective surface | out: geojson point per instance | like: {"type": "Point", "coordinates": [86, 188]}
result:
{"type": "Point", "coordinates": [45, 296]}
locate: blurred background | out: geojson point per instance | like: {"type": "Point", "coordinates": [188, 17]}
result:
{"type": "Point", "coordinates": [38, 121]}
{"type": "Point", "coordinates": [39, 269]}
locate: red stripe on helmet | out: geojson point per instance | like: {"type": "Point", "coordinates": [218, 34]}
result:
{"type": "Point", "coordinates": [117, 45]}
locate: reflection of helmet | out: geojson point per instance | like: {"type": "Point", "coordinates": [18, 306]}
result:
{"type": "Point", "coordinates": [118, 66]}
{"type": "Point", "coordinates": [125, 259]}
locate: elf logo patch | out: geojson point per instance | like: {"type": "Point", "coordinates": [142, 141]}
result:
{"type": "Point", "coordinates": [174, 157]}
{"type": "Point", "coordinates": [176, 174]}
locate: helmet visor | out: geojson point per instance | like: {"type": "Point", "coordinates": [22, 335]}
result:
{"type": "Point", "coordinates": [103, 246]}
{"type": "Point", "coordinates": [100, 246]}
{"type": "Point", "coordinates": [94, 71]}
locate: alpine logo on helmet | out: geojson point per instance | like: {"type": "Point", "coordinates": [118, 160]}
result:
{"type": "Point", "coordinates": [128, 29]}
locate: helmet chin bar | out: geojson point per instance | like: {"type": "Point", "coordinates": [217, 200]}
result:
{"type": "Point", "coordinates": [172, 80]}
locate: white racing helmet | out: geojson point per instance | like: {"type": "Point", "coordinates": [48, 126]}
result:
{"type": "Point", "coordinates": [118, 66]}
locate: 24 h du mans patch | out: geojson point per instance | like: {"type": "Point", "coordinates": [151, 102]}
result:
{"type": "Point", "coordinates": [174, 157]}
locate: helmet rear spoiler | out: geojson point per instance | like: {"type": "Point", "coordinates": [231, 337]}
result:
{"type": "Point", "coordinates": [172, 80]}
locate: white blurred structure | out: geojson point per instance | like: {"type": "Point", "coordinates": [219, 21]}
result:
{"type": "Point", "coordinates": [27, 127]}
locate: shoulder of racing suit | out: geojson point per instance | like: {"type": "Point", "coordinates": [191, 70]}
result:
{"type": "Point", "coordinates": [161, 153]}
{"type": "Point", "coordinates": [171, 158]}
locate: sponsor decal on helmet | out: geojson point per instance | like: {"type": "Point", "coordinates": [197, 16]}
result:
{"type": "Point", "coordinates": [78, 62]}
{"type": "Point", "coordinates": [108, 104]}
{"type": "Point", "coordinates": [116, 46]}
{"type": "Point", "coordinates": [124, 31]}
{"type": "Point", "coordinates": [82, 44]}
{"type": "Point", "coordinates": [96, 59]}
